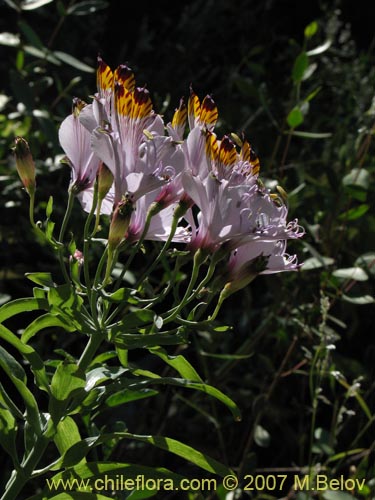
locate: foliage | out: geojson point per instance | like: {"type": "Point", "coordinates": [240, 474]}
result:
{"type": "Point", "coordinates": [298, 359]}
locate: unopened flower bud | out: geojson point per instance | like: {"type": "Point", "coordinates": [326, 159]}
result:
{"type": "Point", "coordinates": [105, 180]}
{"type": "Point", "coordinates": [25, 165]}
{"type": "Point", "coordinates": [120, 222]}
{"type": "Point", "coordinates": [245, 275]}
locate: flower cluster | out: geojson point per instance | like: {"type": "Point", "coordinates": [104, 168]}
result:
{"type": "Point", "coordinates": [162, 182]}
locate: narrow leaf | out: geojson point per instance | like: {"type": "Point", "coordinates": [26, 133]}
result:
{"type": "Point", "coordinates": [311, 135]}
{"type": "Point", "coordinates": [300, 65]}
{"type": "Point", "coordinates": [351, 273]}
{"type": "Point", "coordinates": [72, 61]}
{"type": "Point", "coordinates": [320, 49]}
{"type": "Point", "coordinates": [21, 305]}
{"type": "Point", "coordinates": [45, 321]}
{"type": "Point", "coordinates": [179, 363]}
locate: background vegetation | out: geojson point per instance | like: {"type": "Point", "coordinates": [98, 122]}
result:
{"type": "Point", "coordinates": [299, 81]}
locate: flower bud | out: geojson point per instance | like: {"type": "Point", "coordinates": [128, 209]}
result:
{"type": "Point", "coordinates": [245, 275]}
{"type": "Point", "coordinates": [120, 222]}
{"type": "Point", "coordinates": [25, 165]}
{"type": "Point", "coordinates": [105, 181]}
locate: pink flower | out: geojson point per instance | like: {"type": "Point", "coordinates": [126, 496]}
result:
{"type": "Point", "coordinates": [76, 143]}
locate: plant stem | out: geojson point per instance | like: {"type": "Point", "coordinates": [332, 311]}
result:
{"type": "Point", "coordinates": [199, 258]}
{"type": "Point", "coordinates": [90, 350]}
{"type": "Point", "coordinates": [20, 477]}
{"type": "Point", "coordinates": [64, 224]}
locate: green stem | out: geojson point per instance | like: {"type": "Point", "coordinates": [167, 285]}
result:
{"type": "Point", "coordinates": [20, 477]}
{"type": "Point", "coordinates": [90, 350]}
{"type": "Point", "coordinates": [86, 251]}
{"type": "Point", "coordinates": [199, 258]}
{"type": "Point", "coordinates": [64, 224]}
{"type": "Point", "coordinates": [176, 217]}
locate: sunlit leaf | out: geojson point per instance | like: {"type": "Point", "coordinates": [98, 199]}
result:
{"type": "Point", "coordinates": [316, 263]}
{"type": "Point", "coordinates": [87, 7]}
{"type": "Point", "coordinates": [320, 49]}
{"type": "Point", "coordinates": [33, 4]}
{"type": "Point", "coordinates": [72, 61]}
{"type": "Point", "coordinates": [10, 39]}
{"type": "Point", "coordinates": [179, 363]}
{"type": "Point", "coordinates": [41, 278]}
{"type": "Point", "coordinates": [360, 301]}
{"type": "Point", "coordinates": [262, 436]}
{"type": "Point", "coordinates": [128, 395]}
{"type": "Point", "coordinates": [351, 273]}
{"type": "Point", "coordinates": [357, 177]}
{"type": "Point", "coordinates": [311, 135]}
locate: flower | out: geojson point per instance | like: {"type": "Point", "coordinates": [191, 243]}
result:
{"type": "Point", "coordinates": [76, 143]}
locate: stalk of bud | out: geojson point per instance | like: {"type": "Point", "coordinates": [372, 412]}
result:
{"type": "Point", "coordinates": [25, 165]}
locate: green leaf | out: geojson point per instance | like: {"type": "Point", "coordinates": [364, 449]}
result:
{"type": "Point", "coordinates": [87, 7]}
{"type": "Point", "coordinates": [316, 263]}
{"type": "Point", "coordinates": [7, 403]}
{"type": "Point", "coordinates": [367, 261]}
{"type": "Point", "coordinates": [102, 374]}
{"type": "Point", "coordinates": [8, 433]}
{"type": "Point", "coordinates": [28, 353]}
{"type": "Point", "coordinates": [311, 135]}
{"type": "Point", "coordinates": [322, 443]}
{"type": "Point", "coordinates": [179, 363]}
{"type": "Point", "coordinates": [9, 39]}
{"type": "Point", "coordinates": [123, 295]}
{"type": "Point", "coordinates": [79, 450]}
{"type": "Point", "coordinates": [72, 61]}
{"type": "Point", "coordinates": [67, 304]}
{"type": "Point", "coordinates": [295, 117]}
{"type": "Point", "coordinates": [311, 29]}
{"type": "Point", "coordinates": [320, 49]}
{"type": "Point", "coordinates": [21, 305]}
{"type": "Point", "coordinates": [357, 193]}
{"type": "Point", "coordinates": [41, 278]}
{"type": "Point", "coordinates": [17, 375]}
{"type": "Point", "coordinates": [189, 384]}
{"type": "Point", "coordinates": [45, 321]}
{"type": "Point", "coordinates": [67, 434]}
{"type": "Point", "coordinates": [262, 436]}
{"type": "Point", "coordinates": [139, 341]}
{"type": "Point", "coordinates": [67, 382]}
{"type": "Point", "coordinates": [300, 65]}
{"type": "Point", "coordinates": [116, 471]}
{"type": "Point", "coordinates": [357, 177]}
{"type": "Point", "coordinates": [134, 320]}
{"type": "Point", "coordinates": [30, 35]}
{"type": "Point", "coordinates": [49, 207]}
{"type": "Point", "coordinates": [360, 301]}
{"type": "Point", "coordinates": [128, 395]}
{"type": "Point", "coordinates": [355, 212]}
{"type": "Point", "coordinates": [33, 4]}
{"type": "Point", "coordinates": [42, 54]}
{"type": "Point", "coordinates": [351, 273]}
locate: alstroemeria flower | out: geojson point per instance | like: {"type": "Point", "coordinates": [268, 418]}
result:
{"type": "Point", "coordinates": [76, 143]}
{"type": "Point", "coordinates": [234, 209]}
